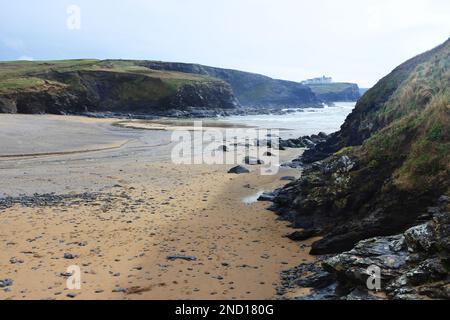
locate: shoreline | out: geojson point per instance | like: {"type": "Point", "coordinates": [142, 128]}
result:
{"type": "Point", "coordinates": [138, 209]}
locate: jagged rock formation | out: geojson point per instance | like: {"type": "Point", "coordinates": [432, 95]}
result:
{"type": "Point", "coordinates": [413, 265]}
{"type": "Point", "coordinates": [380, 172]}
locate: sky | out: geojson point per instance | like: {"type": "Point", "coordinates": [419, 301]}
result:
{"type": "Point", "coordinates": [350, 40]}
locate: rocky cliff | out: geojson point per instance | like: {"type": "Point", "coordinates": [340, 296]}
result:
{"type": "Point", "coordinates": [107, 86]}
{"type": "Point", "coordinates": [252, 90]}
{"type": "Point", "coordinates": [336, 91]}
{"type": "Point", "coordinates": [388, 163]}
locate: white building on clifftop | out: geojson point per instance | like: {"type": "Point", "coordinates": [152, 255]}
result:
{"type": "Point", "coordinates": [320, 80]}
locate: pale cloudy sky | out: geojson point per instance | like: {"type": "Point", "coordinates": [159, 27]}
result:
{"type": "Point", "coordinates": [351, 40]}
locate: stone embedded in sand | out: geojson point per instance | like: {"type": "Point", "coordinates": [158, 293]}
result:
{"type": "Point", "coordinates": [239, 170]}
{"type": "Point", "coordinates": [185, 258]}
{"type": "Point", "coordinates": [69, 256]}
{"type": "Point", "coordinates": [6, 283]}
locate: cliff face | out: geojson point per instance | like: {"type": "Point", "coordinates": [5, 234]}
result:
{"type": "Point", "coordinates": [389, 161]}
{"type": "Point", "coordinates": [337, 91]}
{"type": "Point", "coordinates": [106, 86]}
{"type": "Point", "coordinates": [252, 90]}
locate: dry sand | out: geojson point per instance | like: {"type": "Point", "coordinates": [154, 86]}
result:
{"type": "Point", "coordinates": [146, 209]}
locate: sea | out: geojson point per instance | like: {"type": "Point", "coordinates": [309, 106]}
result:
{"type": "Point", "coordinates": [302, 122]}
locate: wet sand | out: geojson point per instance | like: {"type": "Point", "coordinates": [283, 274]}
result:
{"type": "Point", "coordinates": [145, 209]}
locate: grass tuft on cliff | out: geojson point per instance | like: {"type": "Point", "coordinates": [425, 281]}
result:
{"type": "Point", "coordinates": [414, 126]}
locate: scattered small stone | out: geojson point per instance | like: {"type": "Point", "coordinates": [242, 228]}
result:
{"type": "Point", "coordinates": [69, 256]}
{"type": "Point", "coordinates": [65, 274]}
{"type": "Point", "coordinates": [178, 257]}
{"type": "Point", "coordinates": [14, 260]}
{"type": "Point", "coordinates": [6, 283]}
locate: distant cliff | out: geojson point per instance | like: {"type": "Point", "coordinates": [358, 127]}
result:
{"type": "Point", "coordinates": [336, 91]}
{"type": "Point", "coordinates": [152, 88]}
{"type": "Point", "coordinates": [252, 90]}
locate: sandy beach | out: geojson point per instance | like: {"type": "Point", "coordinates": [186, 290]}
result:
{"type": "Point", "coordinates": [127, 209]}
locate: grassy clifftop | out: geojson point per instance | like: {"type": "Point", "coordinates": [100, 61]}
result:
{"type": "Point", "coordinates": [109, 85]}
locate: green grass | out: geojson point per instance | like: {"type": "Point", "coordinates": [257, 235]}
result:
{"type": "Point", "coordinates": [23, 84]}
{"type": "Point", "coordinates": [143, 82]}
{"type": "Point", "coordinates": [335, 87]}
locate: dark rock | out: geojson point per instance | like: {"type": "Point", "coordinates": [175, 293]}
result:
{"type": "Point", "coordinates": [303, 235]}
{"type": "Point", "coordinates": [239, 170]}
{"type": "Point", "coordinates": [420, 238]}
{"type": "Point", "coordinates": [288, 178]}
{"type": "Point", "coordinates": [266, 197]}
{"type": "Point", "coordinates": [65, 274]}
{"type": "Point", "coordinates": [6, 283]}
{"type": "Point", "coordinates": [361, 294]}
{"type": "Point", "coordinates": [69, 256]}
{"type": "Point", "coordinates": [413, 265]}
{"type": "Point", "coordinates": [180, 257]}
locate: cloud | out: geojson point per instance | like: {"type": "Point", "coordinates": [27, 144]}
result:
{"type": "Point", "coordinates": [25, 58]}
{"type": "Point", "coordinates": [389, 16]}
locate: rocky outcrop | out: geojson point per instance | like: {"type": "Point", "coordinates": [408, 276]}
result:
{"type": "Point", "coordinates": [375, 178]}
{"type": "Point", "coordinates": [412, 265]}
{"type": "Point", "coordinates": [7, 105]}
{"type": "Point", "coordinates": [251, 89]}
{"type": "Point", "coordinates": [376, 175]}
